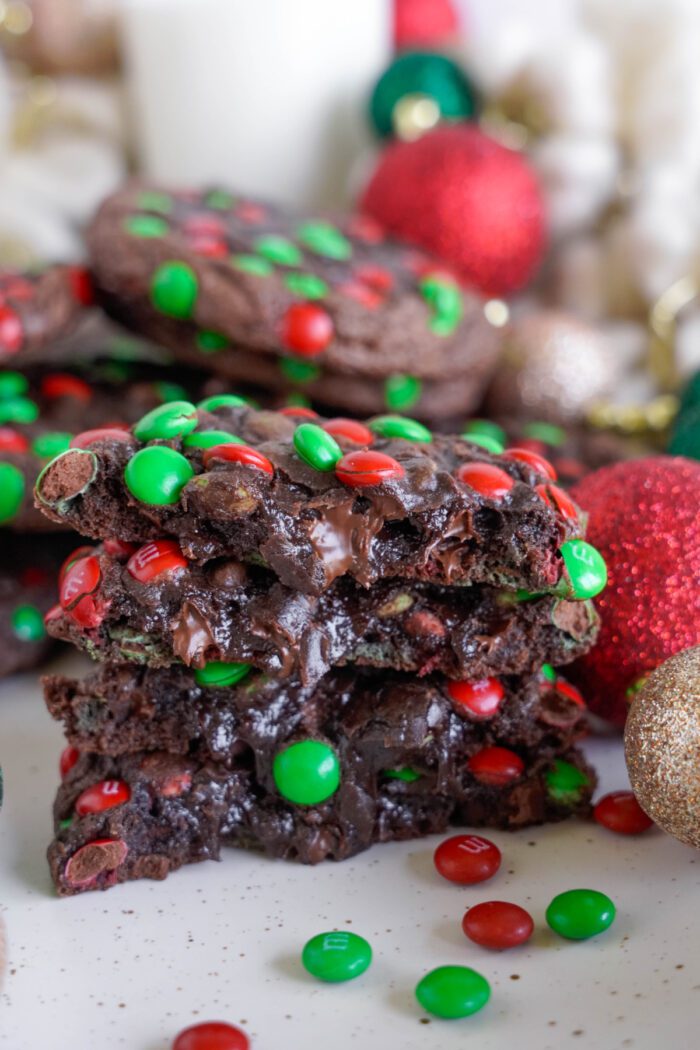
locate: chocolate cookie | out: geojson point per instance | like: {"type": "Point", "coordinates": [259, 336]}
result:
{"type": "Point", "coordinates": [37, 308]}
{"type": "Point", "coordinates": [383, 760]}
{"type": "Point", "coordinates": [215, 276]}
{"type": "Point", "coordinates": [150, 605]}
{"type": "Point", "coordinates": [313, 503]}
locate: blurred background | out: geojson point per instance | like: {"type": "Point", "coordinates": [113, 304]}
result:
{"type": "Point", "coordinates": [587, 239]}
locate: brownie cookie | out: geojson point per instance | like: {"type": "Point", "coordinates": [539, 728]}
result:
{"type": "Point", "coordinates": [319, 780]}
{"type": "Point", "coordinates": [321, 500]}
{"type": "Point", "coordinates": [150, 605]}
{"type": "Point", "coordinates": [37, 308]}
{"type": "Point", "coordinates": [210, 275]}
{"type": "Point", "coordinates": [28, 570]}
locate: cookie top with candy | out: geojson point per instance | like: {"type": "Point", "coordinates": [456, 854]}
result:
{"type": "Point", "coordinates": [38, 307]}
{"type": "Point", "coordinates": [315, 500]}
{"type": "Point", "coordinates": [229, 272]}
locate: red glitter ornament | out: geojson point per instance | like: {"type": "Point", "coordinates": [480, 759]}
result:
{"type": "Point", "coordinates": [620, 812]}
{"type": "Point", "coordinates": [420, 23]}
{"type": "Point", "coordinates": [644, 520]}
{"type": "Point", "coordinates": [498, 925]}
{"type": "Point", "coordinates": [467, 199]}
{"type": "Point", "coordinates": [467, 859]}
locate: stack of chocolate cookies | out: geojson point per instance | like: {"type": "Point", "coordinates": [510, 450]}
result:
{"type": "Point", "coordinates": [312, 635]}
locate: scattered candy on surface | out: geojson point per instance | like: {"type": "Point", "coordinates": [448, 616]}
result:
{"type": "Point", "coordinates": [467, 859]}
{"type": "Point", "coordinates": [336, 956]}
{"type": "Point", "coordinates": [212, 1035]}
{"type": "Point", "coordinates": [498, 925]}
{"type": "Point", "coordinates": [620, 812]}
{"type": "Point", "coordinates": [451, 992]}
{"type": "Point", "coordinates": [580, 914]}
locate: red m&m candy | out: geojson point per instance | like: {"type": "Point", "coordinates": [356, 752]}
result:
{"type": "Point", "coordinates": [12, 441]}
{"type": "Point", "coordinates": [243, 454]}
{"type": "Point", "coordinates": [556, 498]}
{"type": "Point", "coordinates": [11, 334]}
{"type": "Point", "coordinates": [620, 812]}
{"type": "Point", "coordinates": [155, 558]}
{"type": "Point", "coordinates": [69, 756]}
{"type": "Point", "coordinates": [467, 859]}
{"type": "Point", "coordinates": [486, 479]}
{"type": "Point", "coordinates": [100, 857]}
{"type": "Point", "coordinates": [81, 577]}
{"type": "Point", "coordinates": [298, 411]}
{"type": "Point", "coordinates": [362, 469]}
{"type": "Point", "coordinates": [212, 1035]}
{"type": "Point", "coordinates": [349, 429]}
{"type": "Point", "coordinates": [72, 558]}
{"type": "Point", "coordinates": [105, 794]}
{"type": "Point", "coordinates": [81, 285]}
{"type": "Point", "coordinates": [498, 925]}
{"type": "Point", "coordinates": [537, 462]}
{"type": "Point", "coordinates": [63, 384]}
{"type": "Point", "coordinates": [481, 698]}
{"type": "Point", "coordinates": [88, 437]}
{"type": "Point", "coordinates": [306, 329]}
{"type": "Point", "coordinates": [118, 548]}
{"type": "Point", "coordinates": [495, 766]}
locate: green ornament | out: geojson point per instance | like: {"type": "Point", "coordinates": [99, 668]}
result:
{"type": "Point", "coordinates": [317, 448]}
{"type": "Point", "coordinates": [426, 74]}
{"type": "Point", "coordinates": [565, 782]}
{"type": "Point", "coordinates": [217, 673]}
{"type": "Point", "coordinates": [336, 956]}
{"type": "Point", "coordinates": [298, 371]}
{"type": "Point", "coordinates": [151, 200]}
{"type": "Point", "coordinates": [453, 991]}
{"type": "Point", "coordinates": [219, 199]}
{"type": "Point", "coordinates": [168, 421]}
{"type": "Point", "coordinates": [548, 672]}
{"type": "Point", "coordinates": [484, 428]}
{"type": "Point", "coordinates": [485, 442]}
{"type": "Point", "coordinates": [146, 226]}
{"type": "Point", "coordinates": [401, 392]}
{"type": "Point", "coordinates": [157, 475]}
{"type": "Point", "coordinates": [170, 391]}
{"type": "Point", "coordinates": [251, 264]}
{"type": "Point", "coordinates": [445, 301]}
{"type": "Point", "coordinates": [405, 773]}
{"type": "Point", "coordinates": [28, 623]}
{"type": "Point", "coordinates": [549, 433]}
{"type": "Point", "coordinates": [585, 568]}
{"type": "Point", "coordinates": [278, 250]}
{"type": "Point", "coordinates": [209, 342]}
{"type": "Point", "coordinates": [210, 438]}
{"type": "Point", "coordinates": [400, 427]}
{"type": "Point", "coordinates": [580, 914]}
{"type": "Point", "coordinates": [12, 384]}
{"type": "Point", "coordinates": [324, 239]}
{"type": "Point", "coordinates": [11, 491]}
{"type": "Point", "coordinates": [51, 444]}
{"type": "Point", "coordinates": [174, 288]}
{"type": "Point", "coordinates": [18, 410]}
{"type": "Point", "coordinates": [306, 285]}
{"type": "Point", "coordinates": [306, 773]}
{"type": "Point", "coordinates": [210, 404]}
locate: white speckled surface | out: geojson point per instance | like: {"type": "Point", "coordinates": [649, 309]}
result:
{"type": "Point", "coordinates": [129, 968]}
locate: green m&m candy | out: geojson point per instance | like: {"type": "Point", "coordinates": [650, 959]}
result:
{"type": "Point", "coordinates": [174, 288]}
{"type": "Point", "coordinates": [278, 250]}
{"type": "Point", "coordinates": [405, 773]}
{"type": "Point", "coordinates": [484, 428]}
{"type": "Point", "coordinates": [171, 420]}
{"type": "Point", "coordinates": [445, 301]}
{"type": "Point", "coordinates": [401, 392]}
{"type": "Point", "coordinates": [12, 384]}
{"type": "Point", "coordinates": [210, 404]}
{"type": "Point", "coordinates": [336, 956]}
{"type": "Point", "coordinates": [585, 568]}
{"type": "Point", "coordinates": [400, 427]}
{"type": "Point", "coordinates": [152, 200]}
{"type": "Point", "coordinates": [18, 410]}
{"type": "Point", "coordinates": [317, 448]}
{"type": "Point", "coordinates": [50, 444]}
{"type": "Point", "coordinates": [453, 991]}
{"type": "Point", "coordinates": [218, 673]}
{"type": "Point", "coordinates": [549, 433]}
{"type": "Point", "coordinates": [324, 239]}
{"type": "Point", "coordinates": [565, 782]}
{"type": "Point", "coordinates": [486, 442]}
{"type": "Point", "coordinates": [298, 371]}
{"type": "Point", "coordinates": [210, 342]}
{"type": "Point", "coordinates": [580, 914]}
{"type": "Point", "coordinates": [11, 491]}
{"type": "Point", "coordinates": [307, 772]}
{"type": "Point", "coordinates": [157, 475]}
{"type": "Point", "coordinates": [209, 438]}
{"type": "Point", "coordinates": [146, 226]}
{"type": "Point", "coordinates": [28, 623]}
{"type": "Point", "coordinates": [252, 264]}
{"type": "Point", "coordinates": [306, 285]}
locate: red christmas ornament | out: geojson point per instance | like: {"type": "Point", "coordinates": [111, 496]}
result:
{"type": "Point", "coordinates": [421, 23]}
{"type": "Point", "coordinates": [467, 859]}
{"type": "Point", "coordinates": [644, 520]}
{"type": "Point", "coordinates": [243, 454]}
{"type": "Point", "coordinates": [212, 1035]}
{"type": "Point", "coordinates": [465, 198]}
{"type": "Point", "coordinates": [498, 925]}
{"type": "Point", "coordinates": [486, 479]}
{"type": "Point", "coordinates": [495, 766]}
{"type": "Point", "coordinates": [620, 812]}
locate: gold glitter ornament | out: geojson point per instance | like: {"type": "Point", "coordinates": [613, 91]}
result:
{"type": "Point", "coordinates": [662, 746]}
{"type": "Point", "coordinates": [553, 367]}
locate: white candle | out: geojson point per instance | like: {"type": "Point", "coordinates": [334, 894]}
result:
{"type": "Point", "coordinates": [267, 96]}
